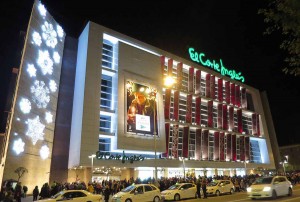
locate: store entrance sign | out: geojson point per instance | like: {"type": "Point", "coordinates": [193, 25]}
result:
{"type": "Point", "coordinates": [118, 156]}
{"type": "Point", "coordinates": [215, 65]}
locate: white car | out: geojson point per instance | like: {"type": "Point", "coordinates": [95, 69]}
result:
{"type": "Point", "coordinates": [270, 187]}
{"type": "Point", "coordinates": [138, 193]}
{"type": "Point", "coordinates": [74, 195]}
{"type": "Point", "coordinates": [218, 187]}
{"type": "Point", "coordinates": [180, 191]}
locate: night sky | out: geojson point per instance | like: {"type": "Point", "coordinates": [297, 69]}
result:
{"type": "Point", "coordinates": [230, 30]}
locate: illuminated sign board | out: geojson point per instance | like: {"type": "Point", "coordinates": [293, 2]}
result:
{"type": "Point", "coordinates": [117, 156]}
{"type": "Point", "coordinates": [215, 65]}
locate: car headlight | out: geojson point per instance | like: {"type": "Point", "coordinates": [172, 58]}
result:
{"type": "Point", "coordinates": [267, 189]}
{"type": "Point", "coordinates": [249, 189]}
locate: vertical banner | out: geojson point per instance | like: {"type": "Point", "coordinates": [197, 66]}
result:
{"type": "Point", "coordinates": [198, 82]}
{"type": "Point", "coordinates": [258, 125]}
{"type": "Point", "coordinates": [222, 146]}
{"type": "Point", "coordinates": [242, 148]}
{"type": "Point", "coordinates": [225, 117]}
{"type": "Point", "coordinates": [220, 90]}
{"type": "Point", "coordinates": [170, 67]}
{"type": "Point", "coordinates": [227, 92]}
{"type": "Point", "coordinates": [204, 145]}
{"type": "Point", "coordinates": [228, 148]}
{"type": "Point", "coordinates": [254, 124]}
{"type": "Point", "coordinates": [237, 96]}
{"type": "Point", "coordinates": [189, 100]}
{"type": "Point", "coordinates": [212, 87]}
{"type": "Point", "coordinates": [162, 64]}
{"type": "Point", "coordinates": [191, 80]}
{"type": "Point", "coordinates": [185, 143]}
{"type": "Point", "coordinates": [167, 128]}
{"type": "Point", "coordinates": [231, 119]}
{"type": "Point", "coordinates": [207, 85]}
{"type": "Point", "coordinates": [175, 141]}
{"type": "Point", "coordinates": [167, 103]}
{"type": "Point", "coordinates": [219, 114]}
{"type": "Point", "coordinates": [216, 146]}
{"type": "Point", "coordinates": [198, 111]}
{"type": "Point", "coordinates": [247, 148]}
{"type": "Point", "coordinates": [141, 108]}
{"type": "Point", "coordinates": [232, 93]}
{"type": "Point", "coordinates": [176, 105]}
{"type": "Point", "coordinates": [179, 76]}
{"type": "Point", "coordinates": [239, 120]}
{"type": "Point", "coordinates": [210, 113]}
{"type": "Point", "coordinates": [198, 144]}
{"type": "Point", "coordinates": [244, 98]}
{"type": "Point", "coordinates": [233, 146]}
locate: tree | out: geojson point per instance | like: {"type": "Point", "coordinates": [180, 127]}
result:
{"type": "Point", "coordinates": [284, 16]}
{"type": "Point", "coordinates": [21, 171]}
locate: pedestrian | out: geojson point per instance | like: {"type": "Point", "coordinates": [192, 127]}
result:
{"type": "Point", "coordinates": [25, 189]}
{"type": "Point", "coordinates": [106, 193]}
{"type": "Point", "coordinates": [35, 193]}
{"type": "Point", "coordinates": [203, 185]}
{"type": "Point", "coordinates": [199, 187]}
{"type": "Point", "coordinates": [18, 192]}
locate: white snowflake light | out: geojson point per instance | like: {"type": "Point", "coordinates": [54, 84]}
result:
{"type": "Point", "coordinates": [56, 57]}
{"type": "Point", "coordinates": [42, 10]}
{"type": "Point", "coordinates": [52, 86]}
{"type": "Point", "coordinates": [18, 146]}
{"type": "Point", "coordinates": [40, 94]}
{"type": "Point", "coordinates": [45, 62]}
{"type": "Point", "coordinates": [60, 31]}
{"type": "Point", "coordinates": [35, 129]}
{"type": "Point", "coordinates": [25, 105]}
{"type": "Point", "coordinates": [44, 152]}
{"type": "Point", "coordinates": [37, 39]}
{"type": "Point", "coordinates": [49, 34]}
{"type": "Point", "coordinates": [31, 70]}
{"type": "Point", "coordinates": [48, 117]}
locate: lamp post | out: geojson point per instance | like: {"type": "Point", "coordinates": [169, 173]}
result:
{"type": "Point", "coordinates": [92, 166]}
{"type": "Point", "coordinates": [183, 166]}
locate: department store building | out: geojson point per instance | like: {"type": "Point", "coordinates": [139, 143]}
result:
{"type": "Point", "coordinates": [73, 118]}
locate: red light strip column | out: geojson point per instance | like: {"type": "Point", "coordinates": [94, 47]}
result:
{"type": "Point", "coordinates": [198, 111]}
{"type": "Point", "coordinates": [233, 147]}
{"type": "Point", "coordinates": [176, 105]}
{"type": "Point", "coordinates": [185, 142]}
{"type": "Point", "coordinates": [191, 80]}
{"type": "Point", "coordinates": [216, 146]}
{"type": "Point", "coordinates": [198, 145]}
{"type": "Point", "coordinates": [189, 100]}
{"type": "Point", "coordinates": [167, 103]}
{"type": "Point", "coordinates": [167, 128]}
{"type": "Point", "coordinates": [222, 147]}
{"type": "Point", "coordinates": [228, 147]}
{"type": "Point", "coordinates": [207, 85]}
{"type": "Point", "coordinates": [220, 90]}
{"type": "Point", "coordinates": [179, 76]}
{"type": "Point", "coordinates": [212, 87]}
{"type": "Point", "coordinates": [210, 113]}
{"type": "Point", "coordinates": [198, 82]}
{"type": "Point", "coordinates": [204, 145]}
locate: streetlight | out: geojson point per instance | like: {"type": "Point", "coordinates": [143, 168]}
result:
{"type": "Point", "coordinates": [183, 165]}
{"type": "Point", "coordinates": [92, 167]}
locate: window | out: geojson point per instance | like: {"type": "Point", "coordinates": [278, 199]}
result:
{"type": "Point", "coordinates": [106, 91]}
{"type": "Point", "coordinates": [105, 123]}
{"type": "Point", "coordinates": [147, 188]}
{"type": "Point", "coordinates": [107, 54]}
{"type": "Point", "coordinates": [104, 144]}
{"type": "Point", "coordinates": [255, 156]}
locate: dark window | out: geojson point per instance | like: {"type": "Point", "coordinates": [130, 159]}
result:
{"type": "Point", "coordinates": [105, 123]}
{"type": "Point", "coordinates": [104, 144]}
{"type": "Point", "coordinates": [147, 188]}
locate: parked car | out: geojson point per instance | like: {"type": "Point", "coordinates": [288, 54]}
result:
{"type": "Point", "coordinates": [74, 195]}
{"type": "Point", "coordinates": [270, 187]}
{"type": "Point", "coordinates": [218, 187]}
{"type": "Point", "coordinates": [180, 191]}
{"type": "Point", "coordinates": [138, 193]}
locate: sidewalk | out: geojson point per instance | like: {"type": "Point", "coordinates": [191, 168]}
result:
{"type": "Point", "coordinates": [30, 199]}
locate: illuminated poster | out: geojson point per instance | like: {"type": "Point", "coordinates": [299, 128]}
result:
{"type": "Point", "coordinates": [141, 108]}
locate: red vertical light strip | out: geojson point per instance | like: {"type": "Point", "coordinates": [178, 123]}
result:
{"type": "Point", "coordinates": [216, 146]}
{"type": "Point", "coordinates": [212, 87]}
{"type": "Point", "coordinates": [247, 148]}
{"type": "Point", "coordinates": [232, 93]}
{"type": "Point", "coordinates": [167, 128]}
{"type": "Point", "coordinates": [198, 82]}
{"type": "Point", "coordinates": [220, 90]}
{"type": "Point", "coordinates": [228, 148]}
{"type": "Point", "coordinates": [244, 98]}
{"type": "Point", "coordinates": [162, 65]}
{"type": "Point", "coordinates": [167, 103]}
{"type": "Point", "coordinates": [191, 80]}
{"type": "Point", "coordinates": [220, 117]}
{"type": "Point", "coordinates": [185, 142]}
{"type": "Point", "coordinates": [198, 145]}
{"type": "Point", "coordinates": [242, 148]}
{"type": "Point", "coordinates": [207, 85]}
{"type": "Point", "coordinates": [210, 113]}
{"type": "Point", "coordinates": [170, 67]}
{"type": "Point", "coordinates": [204, 145]}
{"type": "Point", "coordinates": [239, 120]}
{"type": "Point", "coordinates": [227, 92]}
{"type": "Point", "coordinates": [189, 100]}
{"type": "Point", "coordinates": [222, 147]}
{"type": "Point", "coordinates": [198, 111]}
{"type": "Point", "coordinates": [225, 117]}
{"type": "Point", "coordinates": [179, 76]}
{"type": "Point", "coordinates": [233, 137]}
{"type": "Point", "coordinates": [237, 96]}
{"type": "Point", "coordinates": [258, 125]}
{"type": "Point", "coordinates": [176, 105]}
{"type": "Point", "coordinates": [231, 119]}
{"type": "Point", "coordinates": [175, 141]}
{"type": "Point", "coordinates": [254, 124]}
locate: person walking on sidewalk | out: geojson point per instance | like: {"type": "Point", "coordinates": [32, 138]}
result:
{"type": "Point", "coordinates": [35, 193]}
{"type": "Point", "coordinates": [203, 185]}
{"type": "Point", "coordinates": [199, 187]}
{"type": "Point", "coordinates": [106, 193]}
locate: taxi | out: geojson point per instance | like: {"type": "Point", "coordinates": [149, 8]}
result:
{"type": "Point", "coordinates": [180, 191]}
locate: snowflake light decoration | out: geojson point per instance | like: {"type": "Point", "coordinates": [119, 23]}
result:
{"type": "Point", "coordinates": [42, 10]}
{"type": "Point", "coordinates": [48, 117]}
{"type": "Point", "coordinates": [37, 39]}
{"type": "Point", "coordinates": [25, 105]}
{"type": "Point", "coordinates": [45, 62]}
{"type": "Point", "coordinates": [31, 70]}
{"type": "Point", "coordinates": [35, 129]}
{"type": "Point", "coordinates": [18, 146]}
{"type": "Point", "coordinates": [52, 86]}
{"type": "Point", "coordinates": [49, 34]}
{"type": "Point", "coordinates": [40, 94]}
{"type": "Point", "coordinates": [44, 152]}
{"type": "Point", "coordinates": [56, 57]}
{"type": "Point", "coordinates": [60, 31]}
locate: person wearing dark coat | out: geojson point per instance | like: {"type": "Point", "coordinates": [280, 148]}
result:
{"type": "Point", "coordinates": [199, 187]}
{"type": "Point", "coordinates": [106, 193]}
{"type": "Point", "coordinates": [18, 192]}
{"type": "Point", "coordinates": [203, 185]}
{"type": "Point", "coordinates": [35, 193]}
